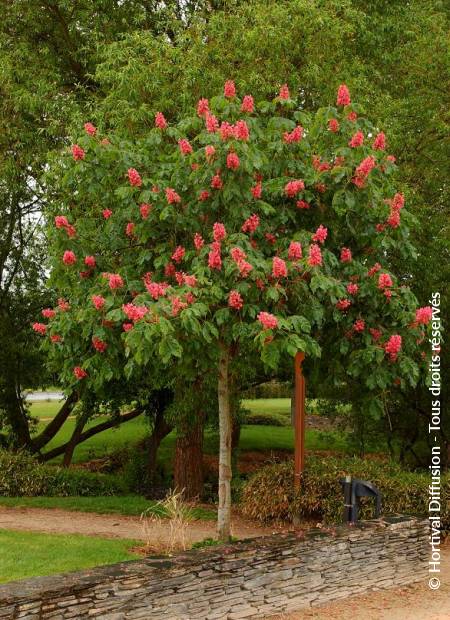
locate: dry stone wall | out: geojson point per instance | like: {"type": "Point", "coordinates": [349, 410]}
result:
{"type": "Point", "coordinates": [244, 580]}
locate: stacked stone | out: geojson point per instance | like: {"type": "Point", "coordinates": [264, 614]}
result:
{"type": "Point", "coordinates": [248, 579]}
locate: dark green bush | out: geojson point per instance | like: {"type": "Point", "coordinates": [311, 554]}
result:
{"type": "Point", "coordinates": [67, 482]}
{"type": "Point", "coordinates": [22, 475]}
{"type": "Point", "coordinates": [271, 389]}
{"type": "Point", "coordinates": [269, 494]}
{"type": "Point", "coordinates": [267, 419]}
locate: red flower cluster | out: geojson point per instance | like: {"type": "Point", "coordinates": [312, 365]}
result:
{"type": "Point", "coordinates": [284, 92]}
{"type": "Point", "coordinates": [216, 182]}
{"type": "Point", "coordinates": [160, 121]}
{"type": "Point", "coordinates": [210, 151]}
{"type": "Point", "coordinates": [178, 254]}
{"type": "Point", "coordinates": [267, 320]}
{"type": "Point", "coordinates": [202, 107]}
{"type": "Point", "coordinates": [241, 131]}
{"type": "Point", "coordinates": [248, 105]}
{"type": "Point", "coordinates": [134, 177]}
{"type": "Point", "coordinates": [359, 325]}
{"type": "Point", "coordinates": [48, 313]}
{"type": "Point", "coordinates": [214, 259]}
{"type": "Point", "coordinates": [302, 204]}
{"type": "Point", "coordinates": [321, 234]}
{"type": "Point", "coordinates": [232, 161]}
{"type": "Point", "coordinates": [352, 289]}
{"type": "Point", "coordinates": [90, 129]}
{"type": "Point", "coordinates": [212, 124]}
{"type": "Point", "coordinates": [98, 301]}
{"type": "Point", "coordinates": [99, 345]}
{"type": "Point", "coordinates": [79, 372]}
{"type": "Point", "coordinates": [115, 281]}
{"type": "Point", "coordinates": [343, 96]}
{"type": "Point", "coordinates": [379, 144]}
{"type": "Point", "coordinates": [219, 232]}
{"type": "Point", "coordinates": [256, 190]}
{"type": "Point", "coordinates": [373, 270]}
{"type": "Point", "coordinates": [134, 313]}
{"type": "Point", "coordinates": [393, 346]}
{"type": "Point", "coordinates": [89, 261]}
{"type": "Point", "coordinates": [77, 152]}
{"type": "Point", "coordinates": [333, 125]}
{"type": "Point", "coordinates": [346, 255]}
{"type": "Point", "coordinates": [229, 89]}
{"type": "Point", "coordinates": [251, 224]}
{"type": "Point", "coordinates": [357, 139]}
{"type": "Point", "coordinates": [171, 196]}
{"type": "Point", "coordinates": [294, 136]}
{"type": "Point", "coordinates": [69, 257]}
{"type": "Point", "coordinates": [384, 281]}
{"type": "Point", "coordinates": [144, 210]}
{"type": "Point", "coordinates": [279, 269]}
{"type": "Point", "coordinates": [63, 305]}
{"type": "Point", "coordinates": [343, 304]}
{"type": "Point", "coordinates": [315, 255]}
{"type": "Point", "coordinates": [295, 250]}
{"type": "Point", "coordinates": [106, 213]}
{"type": "Point", "coordinates": [185, 147]}
{"type": "Point", "coordinates": [40, 328]}
{"type": "Point", "coordinates": [198, 241]}
{"type": "Point", "coordinates": [363, 170]}
{"type": "Point", "coordinates": [292, 188]}
{"type": "Point", "coordinates": [235, 300]}
{"type": "Point", "coordinates": [424, 315]}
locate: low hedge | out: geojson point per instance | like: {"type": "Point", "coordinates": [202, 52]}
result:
{"type": "Point", "coordinates": [21, 475]}
{"type": "Point", "coordinates": [269, 494]}
{"type": "Point", "coordinates": [267, 419]}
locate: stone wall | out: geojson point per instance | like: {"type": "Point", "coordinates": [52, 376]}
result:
{"type": "Point", "coordinates": [249, 579]}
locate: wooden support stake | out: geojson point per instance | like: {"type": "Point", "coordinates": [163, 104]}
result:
{"type": "Point", "coordinates": [299, 419]}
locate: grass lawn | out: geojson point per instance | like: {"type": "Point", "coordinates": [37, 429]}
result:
{"type": "Point", "coordinates": [44, 408]}
{"type": "Point", "coordinates": [132, 505]}
{"type": "Point", "coordinates": [27, 554]}
{"type": "Point", "coordinates": [252, 437]}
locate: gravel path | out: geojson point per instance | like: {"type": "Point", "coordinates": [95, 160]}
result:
{"type": "Point", "coordinates": [58, 521]}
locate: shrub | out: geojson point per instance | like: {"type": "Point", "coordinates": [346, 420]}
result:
{"type": "Point", "coordinates": [269, 494]}
{"type": "Point", "coordinates": [22, 475]}
{"type": "Point", "coordinates": [267, 419]}
{"type": "Point", "coordinates": [67, 482]}
{"type": "Point", "coordinates": [270, 389]}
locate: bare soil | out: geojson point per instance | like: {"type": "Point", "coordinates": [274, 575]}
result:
{"type": "Point", "coordinates": [414, 602]}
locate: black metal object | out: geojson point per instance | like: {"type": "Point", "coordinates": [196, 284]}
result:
{"type": "Point", "coordinates": [353, 490]}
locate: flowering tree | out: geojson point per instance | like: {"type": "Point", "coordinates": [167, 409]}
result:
{"type": "Point", "coordinates": [256, 228]}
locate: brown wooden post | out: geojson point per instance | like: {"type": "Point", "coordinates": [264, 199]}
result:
{"type": "Point", "coordinates": [299, 418]}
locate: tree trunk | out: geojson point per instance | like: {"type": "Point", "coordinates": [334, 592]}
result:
{"type": "Point", "coordinates": [188, 466]}
{"type": "Point", "coordinates": [235, 437]}
{"type": "Point", "coordinates": [17, 418]}
{"type": "Point", "coordinates": [161, 429]}
{"type": "Point", "coordinates": [224, 512]}
{"type": "Point", "coordinates": [73, 441]}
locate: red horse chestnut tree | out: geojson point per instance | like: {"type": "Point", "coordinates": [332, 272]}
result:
{"type": "Point", "coordinates": [245, 227]}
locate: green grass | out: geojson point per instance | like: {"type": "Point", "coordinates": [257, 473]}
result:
{"type": "Point", "coordinates": [132, 505]}
{"type": "Point", "coordinates": [280, 406]}
{"type": "Point", "coordinates": [28, 554]}
{"type": "Point", "coordinates": [45, 409]}
{"type": "Point", "coordinates": [252, 437]}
